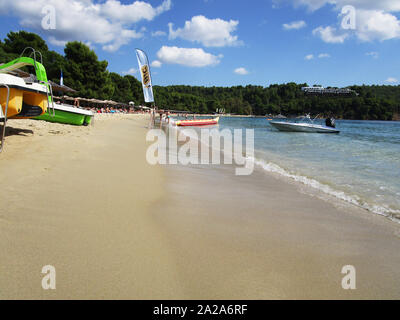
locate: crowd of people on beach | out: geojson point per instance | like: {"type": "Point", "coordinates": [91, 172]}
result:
{"type": "Point", "coordinates": [111, 109]}
{"type": "Point", "coordinates": [108, 109]}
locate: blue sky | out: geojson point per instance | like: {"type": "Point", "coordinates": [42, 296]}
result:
{"type": "Point", "coordinates": [225, 42]}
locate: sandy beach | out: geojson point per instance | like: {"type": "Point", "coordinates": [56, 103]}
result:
{"type": "Point", "coordinates": [78, 198]}
{"type": "Point", "coordinates": [84, 200]}
{"type": "Point", "coordinates": [261, 237]}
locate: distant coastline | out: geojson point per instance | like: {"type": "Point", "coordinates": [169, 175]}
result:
{"type": "Point", "coordinates": [397, 118]}
{"type": "Point", "coordinates": [373, 102]}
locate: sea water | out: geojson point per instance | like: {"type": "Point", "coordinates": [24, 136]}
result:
{"type": "Point", "coordinates": [361, 165]}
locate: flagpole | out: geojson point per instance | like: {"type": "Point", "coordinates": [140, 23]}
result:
{"type": "Point", "coordinates": [153, 116]}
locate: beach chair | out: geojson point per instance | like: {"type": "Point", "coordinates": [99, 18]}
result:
{"type": "Point", "coordinates": [3, 116]}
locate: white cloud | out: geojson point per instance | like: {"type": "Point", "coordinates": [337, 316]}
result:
{"type": "Point", "coordinates": [320, 56]}
{"type": "Point", "coordinates": [391, 80]}
{"type": "Point", "coordinates": [373, 54]}
{"type": "Point", "coordinates": [124, 38]}
{"type": "Point", "coordinates": [191, 57]}
{"type": "Point", "coordinates": [330, 34]}
{"type": "Point", "coordinates": [324, 55]}
{"type": "Point", "coordinates": [131, 71]}
{"type": "Point", "coordinates": [295, 25]}
{"type": "Point", "coordinates": [241, 71]}
{"type": "Point", "coordinates": [377, 25]}
{"type": "Point", "coordinates": [209, 32]}
{"type": "Point", "coordinates": [108, 23]}
{"type": "Point", "coordinates": [58, 43]}
{"type": "Point", "coordinates": [387, 5]}
{"type": "Point", "coordinates": [156, 64]}
{"type": "Point", "coordinates": [158, 34]}
{"type": "Point", "coordinates": [370, 25]}
{"type": "Point", "coordinates": [134, 12]}
{"type": "Point", "coordinates": [375, 20]}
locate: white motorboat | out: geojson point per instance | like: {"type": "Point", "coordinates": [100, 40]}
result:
{"type": "Point", "coordinates": [309, 127]}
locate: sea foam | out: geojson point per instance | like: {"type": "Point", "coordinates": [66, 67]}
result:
{"type": "Point", "coordinates": [393, 215]}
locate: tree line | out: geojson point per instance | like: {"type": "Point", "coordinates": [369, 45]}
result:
{"type": "Point", "coordinates": [84, 72]}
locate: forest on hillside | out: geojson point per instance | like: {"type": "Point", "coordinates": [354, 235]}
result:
{"type": "Point", "coordinates": [84, 72]}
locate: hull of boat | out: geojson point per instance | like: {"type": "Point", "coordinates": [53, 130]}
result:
{"type": "Point", "coordinates": [26, 100]}
{"type": "Point", "coordinates": [33, 104]}
{"type": "Point", "coordinates": [15, 101]}
{"type": "Point", "coordinates": [300, 127]}
{"type": "Point", "coordinates": [68, 115]}
{"type": "Point", "coordinates": [197, 123]}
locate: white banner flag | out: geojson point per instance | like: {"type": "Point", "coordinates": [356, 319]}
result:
{"type": "Point", "coordinates": [144, 68]}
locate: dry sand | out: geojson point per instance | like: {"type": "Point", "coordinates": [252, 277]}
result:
{"type": "Point", "coordinates": [84, 200]}
{"type": "Point", "coordinates": [78, 198]}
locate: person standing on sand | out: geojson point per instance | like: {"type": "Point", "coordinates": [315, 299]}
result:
{"type": "Point", "coordinates": [168, 117]}
{"type": "Point", "coordinates": [161, 117]}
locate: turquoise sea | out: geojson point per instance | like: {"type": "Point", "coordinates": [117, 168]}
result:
{"type": "Point", "coordinates": [361, 165]}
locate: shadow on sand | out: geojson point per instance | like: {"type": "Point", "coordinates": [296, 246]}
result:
{"type": "Point", "coordinates": [11, 131]}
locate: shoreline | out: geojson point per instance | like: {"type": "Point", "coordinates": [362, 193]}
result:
{"type": "Point", "coordinates": [278, 118]}
{"type": "Point", "coordinates": [85, 200]}
{"type": "Point", "coordinates": [315, 186]}
{"type": "Point", "coordinates": [283, 244]}
{"type": "Point", "coordinates": [325, 191]}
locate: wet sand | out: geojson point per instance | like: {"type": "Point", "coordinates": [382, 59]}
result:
{"type": "Point", "coordinates": [261, 237]}
{"type": "Point", "coordinates": [84, 200]}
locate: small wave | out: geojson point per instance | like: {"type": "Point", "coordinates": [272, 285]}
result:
{"type": "Point", "coordinates": [394, 215]}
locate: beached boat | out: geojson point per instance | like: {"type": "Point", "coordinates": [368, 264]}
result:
{"type": "Point", "coordinates": [309, 127]}
{"type": "Point", "coordinates": [23, 99]}
{"type": "Point", "coordinates": [20, 100]}
{"type": "Point", "coordinates": [30, 100]}
{"type": "Point", "coordinates": [197, 123]}
{"type": "Point", "coordinates": [26, 100]}
{"type": "Point", "coordinates": [3, 116]}
{"type": "Point", "coordinates": [68, 115]}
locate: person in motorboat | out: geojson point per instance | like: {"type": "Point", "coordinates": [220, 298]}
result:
{"type": "Point", "coordinates": [330, 122]}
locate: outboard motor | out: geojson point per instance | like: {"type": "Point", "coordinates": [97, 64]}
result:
{"type": "Point", "coordinates": [330, 122]}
